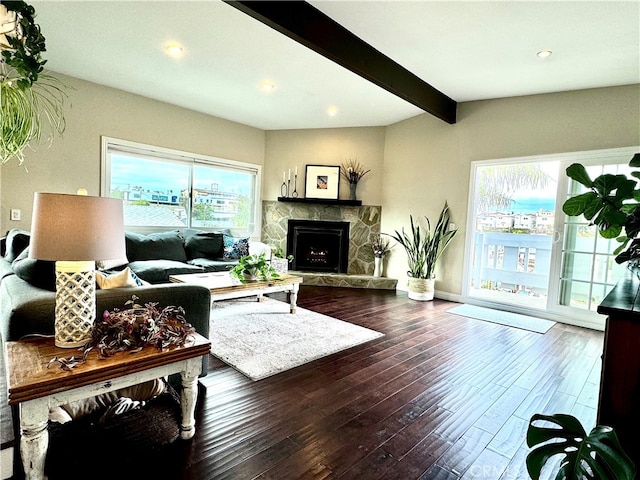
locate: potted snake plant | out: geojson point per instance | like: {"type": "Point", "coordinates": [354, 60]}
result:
{"type": "Point", "coordinates": [424, 248]}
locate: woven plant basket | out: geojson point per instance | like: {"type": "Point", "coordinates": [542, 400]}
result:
{"type": "Point", "coordinates": [421, 288]}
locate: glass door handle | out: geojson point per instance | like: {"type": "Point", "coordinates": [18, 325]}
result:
{"type": "Point", "coordinates": [557, 236]}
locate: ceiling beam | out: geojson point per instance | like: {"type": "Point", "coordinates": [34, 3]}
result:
{"type": "Point", "coordinates": [307, 25]}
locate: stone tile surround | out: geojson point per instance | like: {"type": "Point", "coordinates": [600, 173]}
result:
{"type": "Point", "coordinates": [364, 225]}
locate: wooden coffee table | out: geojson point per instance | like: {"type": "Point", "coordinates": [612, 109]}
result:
{"type": "Point", "coordinates": [37, 388]}
{"type": "Point", "coordinates": [224, 286]}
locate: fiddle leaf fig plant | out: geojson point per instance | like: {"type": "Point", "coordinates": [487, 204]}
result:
{"type": "Point", "coordinates": [594, 456]}
{"type": "Point", "coordinates": [612, 203]}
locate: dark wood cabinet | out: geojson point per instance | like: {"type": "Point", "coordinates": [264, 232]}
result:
{"type": "Point", "coordinates": [619, 404]}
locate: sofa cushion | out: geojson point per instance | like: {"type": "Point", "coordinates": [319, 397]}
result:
{"type": "Point", "coordinates": [158, 271]}
{"type": "Point", "coordinates": [203, 244]}
{"type": "Point", "coordinates": [235, 248]}
{"type": "Point", "coordinates": [155, 246]}
{"type": "Point", "coordinates": [17, 240]}
{"type": "Point", "coordinates": [39, 273]}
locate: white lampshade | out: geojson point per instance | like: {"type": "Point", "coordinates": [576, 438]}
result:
{"type": "Point", "coordinates": [76, 227]}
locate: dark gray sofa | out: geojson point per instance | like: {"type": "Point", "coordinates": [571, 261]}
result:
{"type": "Point", "coordinates": [27, 299]}
{"type": "Point", "coordinates": [156, 256]}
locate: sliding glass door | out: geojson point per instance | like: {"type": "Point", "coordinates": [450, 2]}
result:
{"type": "Point", "coordinates": [524, 253]}
{"type": "Point", "coordinates": [514, 208]}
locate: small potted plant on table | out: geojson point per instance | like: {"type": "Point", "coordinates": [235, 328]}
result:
{"type": "Point", "coordinates": [254, 267]}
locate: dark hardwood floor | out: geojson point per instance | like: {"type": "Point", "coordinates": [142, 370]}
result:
{"type": "Point", "coordinates": [440, 396]}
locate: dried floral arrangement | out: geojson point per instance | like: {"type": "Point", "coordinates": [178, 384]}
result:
{"type": "Point", "coordinates": [352, 171]}
{"type": "Point", "coordinates": [380, 246]}
{"type": "Point", "coordinates": [133, 329]}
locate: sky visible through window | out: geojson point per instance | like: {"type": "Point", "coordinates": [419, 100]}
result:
{"type": "Point", "coordinates": [127, 172]}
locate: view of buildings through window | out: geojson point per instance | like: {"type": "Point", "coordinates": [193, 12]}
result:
{"type": "Point", "coordinates": [514, 225]}
{"type": "Point", "coordinates": [519, 227]}
{"type": "Point", "coordinates": [182, 192]}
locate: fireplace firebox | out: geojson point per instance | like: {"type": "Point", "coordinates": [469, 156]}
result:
{"type": "Point", "coordinates": [318, 245]}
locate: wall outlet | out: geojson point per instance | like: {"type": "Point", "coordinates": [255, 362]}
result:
{"type": "Point", "coordinates": [452, 226]}
{"type": "Point", "coordinates": [16, 214]}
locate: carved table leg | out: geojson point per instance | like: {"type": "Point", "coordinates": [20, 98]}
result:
{"type": "Point", "coordinates": [188, 397]}
{"type": "Point", "coordinates": [293, 298]}
{"type": "Point", "coordinates": [34, 438]}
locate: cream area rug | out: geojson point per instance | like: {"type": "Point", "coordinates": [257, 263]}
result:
{"type": "Point", "coordinates": [260, 339]}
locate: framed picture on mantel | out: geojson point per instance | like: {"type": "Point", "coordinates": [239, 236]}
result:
{"type": "Point", "coordinates": [322, 181]}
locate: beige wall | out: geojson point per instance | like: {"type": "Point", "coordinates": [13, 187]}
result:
{"type": "Point", "coordinates": [73, 160]}
{"type": "Point", "coordinates": [287, 149]}
{"type": "Point", "coordinates": [428, 161]}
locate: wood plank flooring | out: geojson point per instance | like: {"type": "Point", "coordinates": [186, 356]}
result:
{"type": "Point", "coordinates": [440, 396]}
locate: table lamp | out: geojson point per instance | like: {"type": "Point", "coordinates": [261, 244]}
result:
{"type": "Point", "coordinates": [75, 231]}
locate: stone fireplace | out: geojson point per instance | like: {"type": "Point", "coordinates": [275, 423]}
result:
{"type": "Point", "coordinates": [363, 224]}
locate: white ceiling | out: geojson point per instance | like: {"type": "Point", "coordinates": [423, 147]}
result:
{"type": "Point", "coordinates": [469, 50]}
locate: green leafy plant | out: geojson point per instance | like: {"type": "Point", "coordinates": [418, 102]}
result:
{"type": "Point", "coordinates": [278, 252]}
{"type": "Point", "coordinates": [597, 455]}
{"type": "Point", "coordinates": [612, 203]}
{"type": "Point", "coordinates": [131, 330]}
{"type": "Point", "coordinates": [254, 266]}
{"type": "Point", "coordinates": [23, 50]}
{"type": "Point", "coordinates": [28, 95]}
{"type": "Point", "coordinates": [424, 246]}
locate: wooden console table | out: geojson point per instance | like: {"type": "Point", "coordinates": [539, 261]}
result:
{"type": "Point", "coordinates": [619, 403]}
{"type": "Point", "coordinates": [37, 388]}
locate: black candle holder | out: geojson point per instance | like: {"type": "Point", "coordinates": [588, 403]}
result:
{"type": "Point", "coordinates": [295, 186]}
{"type": "Point", "coordinates": [284, 192]}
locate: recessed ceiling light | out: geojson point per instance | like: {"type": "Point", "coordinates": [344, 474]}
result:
{"type": "Point", "coordinates": [267, 86]}
{"type": "Point", "coordinates": [544, 53]}
{"type": "Point", "coordinates": [174, 50]}
{"type": "Point", "coordinates": [332, 111]}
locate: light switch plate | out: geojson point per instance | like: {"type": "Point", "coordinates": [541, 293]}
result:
{"type": "Point", "coordinates": [16, 214]}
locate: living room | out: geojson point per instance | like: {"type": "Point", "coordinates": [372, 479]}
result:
{"type": "Point", "coordinates": [416, 162]}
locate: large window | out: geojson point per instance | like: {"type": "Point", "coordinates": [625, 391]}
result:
{"type": "Point", "coordinates": [164, 189]}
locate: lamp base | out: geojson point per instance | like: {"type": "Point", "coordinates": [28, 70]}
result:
{"type": "Point", "coordinates": [75, 303]}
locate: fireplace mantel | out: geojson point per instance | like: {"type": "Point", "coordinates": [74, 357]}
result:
{"type": "Point", "coordinates": [321, 201]}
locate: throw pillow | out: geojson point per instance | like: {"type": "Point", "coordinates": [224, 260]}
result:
{"type": "Point", "coordinates": [203, 244]}
{"type": "Point", "coordinates": [115, 280]}
{"type": "Point", "coordinates": [39, 273]}
{"type": "Point", "coordinates": [238, 248]}
{"type": "Point", "coordinates": [156, 246]}
{"type": "Point", "coordinates": [17, 241]}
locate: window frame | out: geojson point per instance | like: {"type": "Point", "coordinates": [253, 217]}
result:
{"type": "Point", "coordinates": [110, 144]}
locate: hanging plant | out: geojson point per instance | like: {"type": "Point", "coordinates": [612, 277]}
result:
{"type": "Point", "coordinates": [30, 99]}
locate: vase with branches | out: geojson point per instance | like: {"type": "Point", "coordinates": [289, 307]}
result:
{"type": "Point", "coordinates": [352, 172]}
